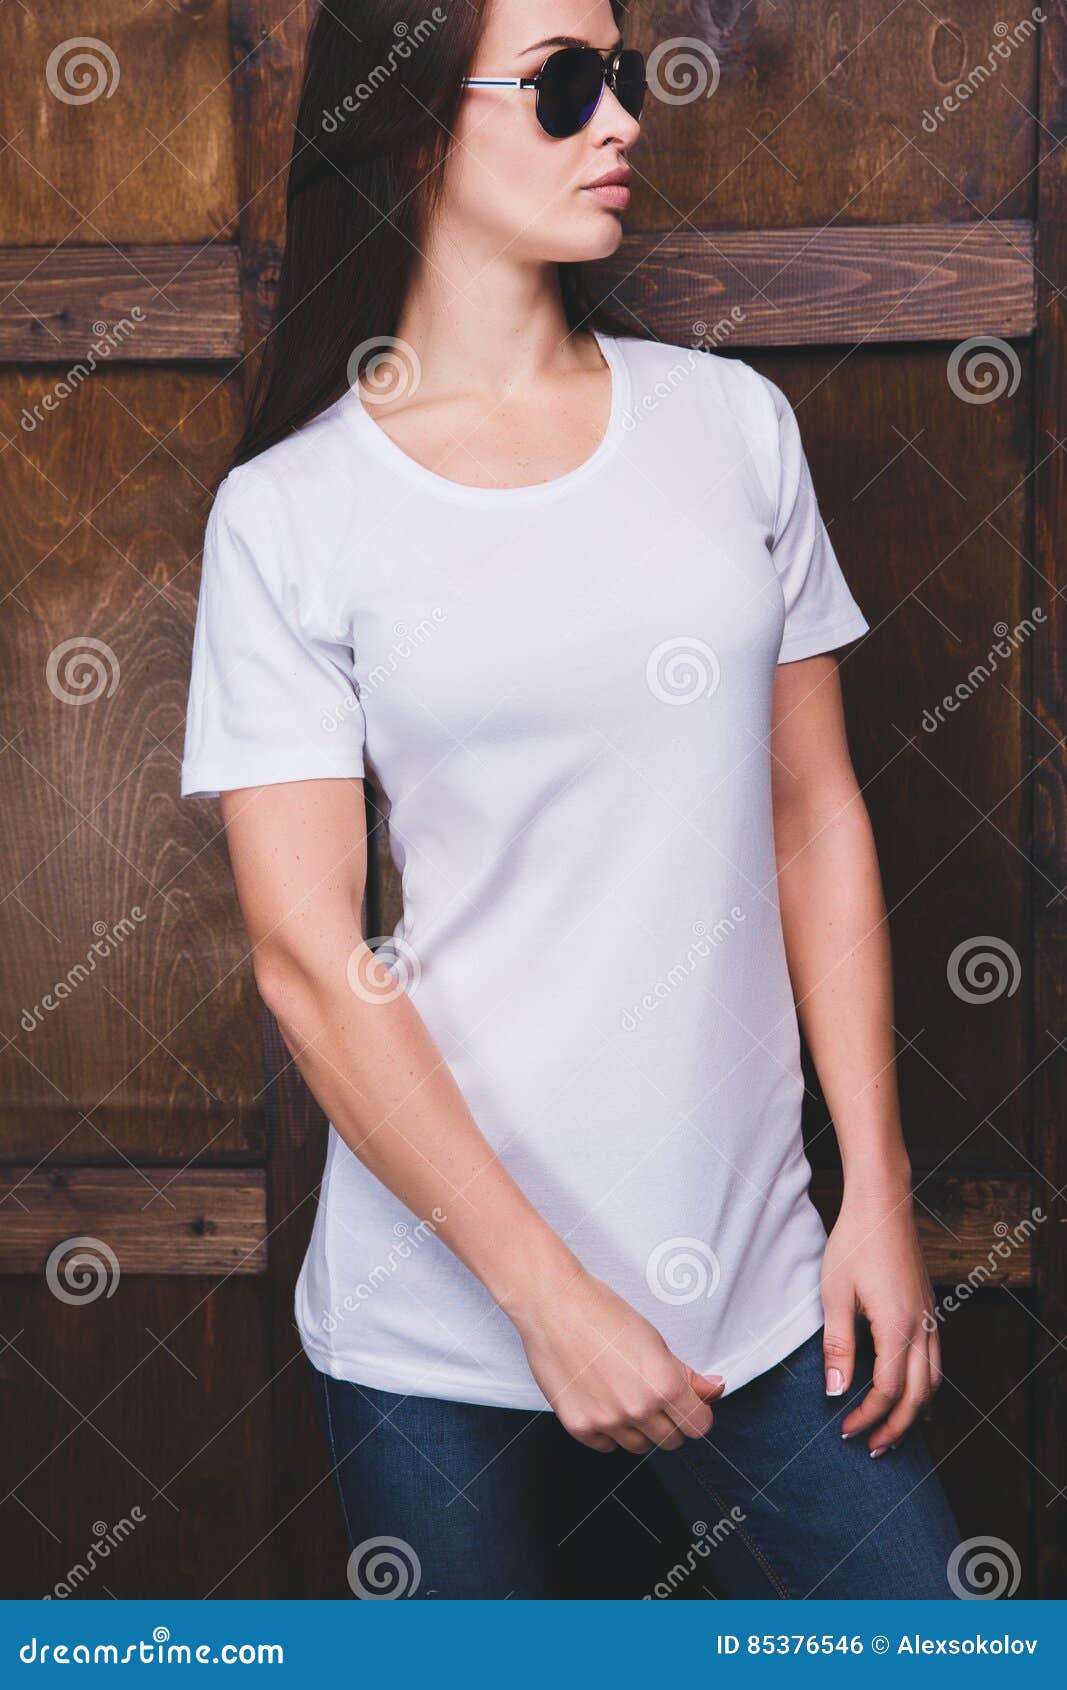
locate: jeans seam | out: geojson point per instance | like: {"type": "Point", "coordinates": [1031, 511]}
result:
{"type": "Point", "coordinates": [752, 1547]}
{"type": "Point", "coordinates": [333, 1458]}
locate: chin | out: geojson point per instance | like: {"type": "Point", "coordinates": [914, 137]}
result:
{"type": "Point", "coordinates": [599, 236]}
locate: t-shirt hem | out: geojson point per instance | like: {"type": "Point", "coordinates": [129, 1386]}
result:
{"type": "Point", "coordinates": [826, 638]}
{"type": "Point", "coordinates": [418, 1382]}
{"type": "Point", "coordinates": [737, 1370]}
{"type": "Point", "coordinates": [761, 1355]}
{"type": "Point", "coordinates": [201, 780]}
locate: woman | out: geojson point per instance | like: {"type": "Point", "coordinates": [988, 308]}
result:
{"type": "Point", "coordinates": [567, 592]}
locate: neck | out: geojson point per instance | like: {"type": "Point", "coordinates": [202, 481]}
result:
{"type": "Point", "coordinates": [487, 329]}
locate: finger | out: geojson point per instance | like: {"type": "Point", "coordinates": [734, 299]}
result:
{"type": "Point", "coordinates": [595, 1440]}
{"type": "Point", "coordinates": [838, 1345]}
{"type": "Point", "coordinates": [887, 1385]}
{"type": "Point", "coordinates": [688, 1408]}
{"type": "Point", "coordinates": [632, 1438]}
{"type": "Point", "coordinates": [706, 1385]}
{"type": "Point", "coordinates": [936, 1374]}
{"type": "Point", "coordinates": [662, 1431]}
{"type": "Point", "coordinates": [907, 1409]}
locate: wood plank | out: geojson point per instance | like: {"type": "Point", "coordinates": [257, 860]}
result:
{"type": "Point", "coordinates": [116, 122]}
{"type": "Point", "coordinates": [905, 471]}
{"type": "Point", "coordinates": [774, 287]}
{"type": "Point", "coordinates": [1046, 729]}
{"type": "Point", "coordinates": [826, 112]}
{"type": "Point", "coordinates": [104, 306]}
{"type": "Point", "coordinates": [975, 1232]}
{"type": "Point", "coordinates": [155, 1220]}
{"type": "Point", "coordinates": [145, 1415]}
{"type": "Point", "coordinates": [125, 1031]}
{"type": "Point", "coordinates": [825, 286]}
{"type": "Point", "coordinates": [267, 44]}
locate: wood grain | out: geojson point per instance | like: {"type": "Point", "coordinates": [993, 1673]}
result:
{"type": "Point", "coordinates": [157, 1400]}
{"type": "Point", "coordinates": [138, 1051]}
{"type": "Point", "coordinates": [155, 1220]}
{"type": "Point", "coordinates": [825, 286]}
{"type": "Point", "coordinates": [1045, 730]}
{"type": "Point", "coordinates": [150, 156]}
{"type": "Point", "coordinates": [976, 1233]}
{"type": "Point", "coordinates": [103, 305]}
{"type": "Point", "coordinates": [816, 114]}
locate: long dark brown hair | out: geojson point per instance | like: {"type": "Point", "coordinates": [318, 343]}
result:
{"type": "Point", "coordinates": [382, 87]}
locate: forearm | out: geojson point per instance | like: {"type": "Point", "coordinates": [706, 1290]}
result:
{"type": "Point", "coordinates": [381, 1080]}
{"type": "Point", "coordinates": [837, 945]}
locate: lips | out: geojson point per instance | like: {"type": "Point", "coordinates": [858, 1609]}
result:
{"type": "Point", "coordinates": [611, 189]}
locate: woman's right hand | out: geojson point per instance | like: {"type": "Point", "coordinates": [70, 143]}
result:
{"type": "Point", "coordinates": [608, 1374]}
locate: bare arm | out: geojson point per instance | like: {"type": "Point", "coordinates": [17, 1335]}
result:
{"type": "Point", "coordinates": [299, 855]}
{"type": "Point", "coordinates": [837, 943]}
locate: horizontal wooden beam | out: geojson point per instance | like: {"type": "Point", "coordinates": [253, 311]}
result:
{"type": "Point", "coordinates": [826, 287]}
{"type": "Point", "coordinates": [157, 1221]}
{"type": "Point", "coordinates": [975, 1231]}
{"type": "Point", "coordinates": [761, 287]}
{"type": "Point", "coordinates": [112, 305]}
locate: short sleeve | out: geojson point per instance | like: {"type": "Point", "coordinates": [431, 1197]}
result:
{"type": "Point", "coordinates": [272, 693]}
{"type": "Point", "coordinates": [820, 611]}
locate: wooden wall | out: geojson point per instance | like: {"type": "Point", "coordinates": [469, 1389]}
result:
{"type": "Point", "coordinates": [814, 195]}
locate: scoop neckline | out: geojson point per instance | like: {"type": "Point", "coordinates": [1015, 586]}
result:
{"type": "Point", "coordinates": [529, 493]}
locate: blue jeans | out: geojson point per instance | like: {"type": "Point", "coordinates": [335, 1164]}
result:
{"type": "Point", "coordinates": [481, 1502]}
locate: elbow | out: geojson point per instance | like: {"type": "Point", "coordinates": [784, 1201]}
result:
{"type": "Point", "coordinates": [281, 982]}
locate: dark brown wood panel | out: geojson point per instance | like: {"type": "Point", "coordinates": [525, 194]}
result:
{"type": "Point", "coordinates": [155, 1220]}
{"type": "Point", "coordinates": [156, 1399]}
{"type": "Point", "coordinates": [980, 1433]}
{"type": "Point", "coordinates": [815, 114]}
{"type": "Point", "coordinates": [125, 952]}
{"type": "Point", "coordinates": [924, 496]}
{"type": "Point", "coordinates": [825, 286]}
{"type": "Point", "coordinates": [149, 156]}
{"type": "Point", "coordinates": [1046, 740]}
{"type": "Point", "coordinates": [267, 46]}
{"type": "Point", "coordinates": [106, 305]}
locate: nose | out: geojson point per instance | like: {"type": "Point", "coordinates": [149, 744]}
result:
{"type": "Point", "coordinates": [613, 123]}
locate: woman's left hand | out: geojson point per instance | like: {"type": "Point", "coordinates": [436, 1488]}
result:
{"type": "Point", "coordinates": [873, 1265]}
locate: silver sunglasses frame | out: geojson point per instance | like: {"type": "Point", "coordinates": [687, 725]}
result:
{"type": "Point", "coordinates": [610, 67]}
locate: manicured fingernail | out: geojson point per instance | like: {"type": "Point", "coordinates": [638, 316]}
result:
{"type": "Point", "coordinates": [880, 1450]}
{"type": "Point", "coordinates": [835, 1382]}
{"type": "Point", "coordinates": [847, 1435]}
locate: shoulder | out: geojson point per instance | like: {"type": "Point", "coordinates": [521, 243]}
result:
{"type": "Point", "coordinates": [299, 497]}
{"type": "Point", "coordinates": [728, 388]}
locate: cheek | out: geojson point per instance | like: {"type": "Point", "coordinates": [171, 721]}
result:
{"type": "Point", "coordinates": [505, 172]}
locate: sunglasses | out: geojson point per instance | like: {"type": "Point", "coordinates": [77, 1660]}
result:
{"type": "Point", "coordinates": [570, 85]}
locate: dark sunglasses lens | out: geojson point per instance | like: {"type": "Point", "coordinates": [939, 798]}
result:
{"type": "Point", "coordinates": [572, 82]}
{"type": "Point", "coordinates": [630, 81]}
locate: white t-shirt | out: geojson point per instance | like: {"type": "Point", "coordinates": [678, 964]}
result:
{"type": "Point", "coordinates": [564, 691]}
